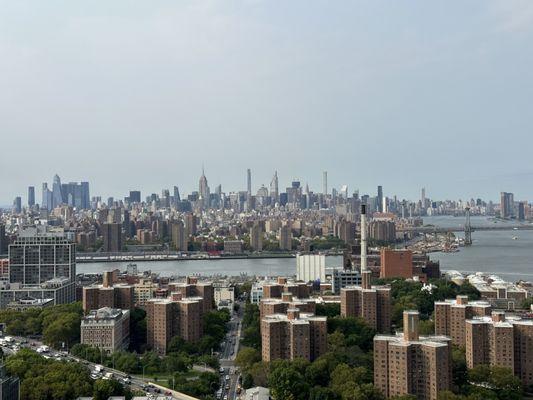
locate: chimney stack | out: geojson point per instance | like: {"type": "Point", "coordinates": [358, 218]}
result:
{"type": "Point", "coordinates": [363, 238]}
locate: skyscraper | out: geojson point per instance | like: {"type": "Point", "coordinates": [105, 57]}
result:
{"type": "Point", "coordinates": [249, 182]}
{"type": "Point", "coordinates": [506, 205]}
{"type": "Point", "coordinates": [112, 233]}
{"type": "Point", "coordinates": [31, 196]}
{"type": "Point", "coordinates": [57, 196]}
{"type": "Point", "coordinates": [177, 197]}
{"type": "Point", "coordinates": [325, 183]}
{"type": "Point", "coordinates": [203, 190]}
{"type": "Point", "coordinates": [47, 197]}
{"type": "Point", "coordinates": [17, 205]}
{"type": "Point", "coordinates": [274, 187]}
{"type": "Point", "coordinates": [135, 196]}
{"type": "Point", "coordinates": [380, 198]}
{"type": "Point", "coordinates": [85, 196]}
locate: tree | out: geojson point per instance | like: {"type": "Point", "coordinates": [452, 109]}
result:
{"type": "Point", "coordinates": [366, 391]}
{"type": "Point", "coordinates": [322, 393]}
{"type": "Point", "coordinates": [459, 369]}
{"type": "Point", "coordinates": [345, 380]}
{"type": "Point", "coordinates": [286, 383]}
{"type": "Point", "coordinates": [317, 374]}
{"type": "Point", "coordinates": [105, 388]}
{"type": "Point", "coordinates": [63, 330]}
{"type": "Point", "coordinates": [246, 357]}
{"type": "Point", "coordinates": [329, 310]}
{"type": "Point", "coordinates": [426, 327]}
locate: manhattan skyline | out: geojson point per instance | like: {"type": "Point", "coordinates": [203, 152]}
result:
{"type": "Point", "coordinates": [139, 95]}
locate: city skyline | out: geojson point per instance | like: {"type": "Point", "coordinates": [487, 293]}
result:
{"type": "Point", "coordinates": [139, 94]}
{"type": "Point", "coordinates": [379, 190]}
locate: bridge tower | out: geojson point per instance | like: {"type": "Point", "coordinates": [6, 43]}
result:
{"type": "Point", "coordinates": [468, 228]}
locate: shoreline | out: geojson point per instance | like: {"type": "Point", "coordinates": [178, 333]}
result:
{"type": "Point", "coordinates": [166, 257]}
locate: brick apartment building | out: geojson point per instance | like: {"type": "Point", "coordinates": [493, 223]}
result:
{"type": "Point", "coordinates": [107, 329]}
{"type": "Point", "coordinates": [192, 288]}
{"type": "Point", "coordinates": [293, 335]}
{"type": "Point", "coordinates": [372, 303]}
{"type": "Point", "coordinates": [412, 364]}
{"type": "Point", "coordinates": [280, 306]}
{"type": "Point", "coordinates": [502, 341]}
{"type": "Point", "coordinates": [108, 294]}
{"type": "Point", "coordinates": [171, 317]}
{"type": "Point", "coordinates": [451, 316]}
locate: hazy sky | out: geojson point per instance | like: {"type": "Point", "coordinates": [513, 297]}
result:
{"type": "Point", "coordinates": [138, 94]}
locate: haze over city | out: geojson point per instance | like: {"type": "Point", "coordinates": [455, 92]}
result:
{"type": "Point", "coordinates": [136, 95]}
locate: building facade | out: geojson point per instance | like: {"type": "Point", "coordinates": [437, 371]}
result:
{"type": "Point", "coordinates": [412, 364]}
{"type": "Point", "coordinates": [501, 341]}
{"type": "Point", "coordinates": [107, 329]}
{"type": "Point", "coordinates": [451, 316]}
{"type": "Point", "coordinates": [293, 335]}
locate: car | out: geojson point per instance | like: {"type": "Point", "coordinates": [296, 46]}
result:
{"type": "Point", "coordinates": [222, 370]}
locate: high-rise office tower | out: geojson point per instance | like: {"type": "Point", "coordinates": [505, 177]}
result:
{"type": "Point", "coordinates": [17, 205]}
{"type": "Point", "coordinates": [506, 205]}
{"type": "Point", "coordinates": [46, 197]}
{"type": "Point", "coordinates": [3, 239]}
{"type": "Point", "coordinates": [325, 183]}
{"type": "Point", "coordinates": [85, 196]}
{"type": "Point", "coordinates": [135, 196]}
{"type": "Point", "coordinates": [521, 215]}
{"type": "Point", "coordinates": [203, 190]}
{"type": "Point", "coordinates": [57, 195]}
{"type": "Point", "coordinates": [412, 364]}
{"type": "Point", "coordinates": [249, 182]}
{"type": "Point", "coordinates": [31, 196]}
{"type": "Point", "coordinates": [177, 197]}
{"type": "Point", "coordinates": [112, 233]}
{"type": "Point", "coordinates": [380, 199]}
{"type": "Point", "coordinates": [274, 187]}
{"type": "Point", "coordinates": [423, 198]}
{"type": "Point", "coordinates": [42, 265]}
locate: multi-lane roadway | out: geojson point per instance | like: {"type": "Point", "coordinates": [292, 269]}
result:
{"type": "Point", "coordinates": [230, 376]}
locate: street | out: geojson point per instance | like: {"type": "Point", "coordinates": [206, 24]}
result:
{"type": "Point", "coordinates": [229, 349]}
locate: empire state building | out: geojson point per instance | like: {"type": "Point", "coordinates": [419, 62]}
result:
{"type": "Point", "coordinates": [204, 190]}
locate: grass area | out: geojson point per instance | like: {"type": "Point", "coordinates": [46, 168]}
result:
{"type": "Point", "coordinates": [165, 379]}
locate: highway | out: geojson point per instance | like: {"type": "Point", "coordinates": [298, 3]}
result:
{"type": "Point", "coordinates": [134, 382]}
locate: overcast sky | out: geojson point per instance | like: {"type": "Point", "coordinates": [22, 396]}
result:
{"type": "Point", "coordinates": [138, 94]}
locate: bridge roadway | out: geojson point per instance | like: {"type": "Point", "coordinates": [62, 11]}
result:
{"type": "Point", "coordinates": [437, 229]}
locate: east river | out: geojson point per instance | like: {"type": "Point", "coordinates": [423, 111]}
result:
{"type": "Point", "coordinates": [508, 254]}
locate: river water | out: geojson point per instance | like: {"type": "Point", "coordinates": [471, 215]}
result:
{"type": "Point", "coordinates": [492, 251]}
